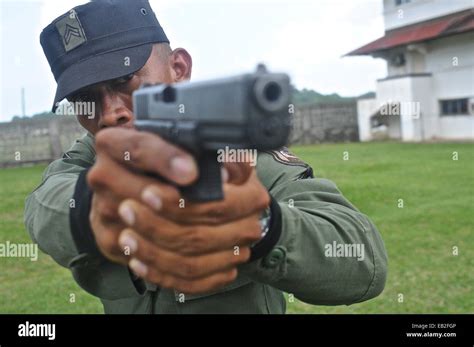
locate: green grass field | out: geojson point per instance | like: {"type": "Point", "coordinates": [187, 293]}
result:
{"type": "Point", "coordinates": [437, 193]}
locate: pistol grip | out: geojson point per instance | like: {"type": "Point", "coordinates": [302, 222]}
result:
{"type": "Point", "coordinates": [208, 186]}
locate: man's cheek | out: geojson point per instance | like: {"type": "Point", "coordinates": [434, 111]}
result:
{"type": "Point", "coordinates": [90, 123]}
{"type": "Point", "coordinates": [132, 119]}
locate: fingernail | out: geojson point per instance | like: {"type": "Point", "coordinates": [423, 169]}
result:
{"type": "Point", "coordinates": [184, 168]}
{"type": "Point", "coordinates": [153, 200]}
{"type": "Point", "coordinates": [127, 214]}
{"type": "Point", "coordinates": [126, 241]}
{"type": "Point", "coordinates": [138, 267]}
{"type": "Point", "coordinates": [224, 174]}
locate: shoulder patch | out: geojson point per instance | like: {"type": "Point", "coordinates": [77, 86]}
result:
{"type": "Point", "coordinates": [284, 156]}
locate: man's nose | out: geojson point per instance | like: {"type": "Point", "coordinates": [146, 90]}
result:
{"type": "Point", "coordinates": [113, 111]}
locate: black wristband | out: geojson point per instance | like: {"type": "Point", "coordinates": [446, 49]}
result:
{"type": "Point", "coordinates": [79, 217]}
{"type": "Point", "coordinates": [265, 245]}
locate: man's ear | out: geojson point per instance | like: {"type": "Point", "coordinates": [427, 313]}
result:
{"type": "Point", "coordinates": [181, 65]}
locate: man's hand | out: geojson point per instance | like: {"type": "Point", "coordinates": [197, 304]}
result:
{"type": "Point", "coordinates": [191, 247]}
{"type": "Point", "coordinates": [115, 177]}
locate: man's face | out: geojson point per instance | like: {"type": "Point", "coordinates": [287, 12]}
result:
{"type": "Point", "coordinates": [113, 99]}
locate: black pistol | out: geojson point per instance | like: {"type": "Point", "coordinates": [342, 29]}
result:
{"type": "Point", "coordinates": [248, 111]}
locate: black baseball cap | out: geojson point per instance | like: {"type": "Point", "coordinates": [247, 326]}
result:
{"type": "Point", "coordinates": [99, 41]}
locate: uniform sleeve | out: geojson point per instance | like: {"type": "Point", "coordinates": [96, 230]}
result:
{"type": "Point", "coordinates": [48, 211]}
{"type": "Point", "coordinates": [316, 221]}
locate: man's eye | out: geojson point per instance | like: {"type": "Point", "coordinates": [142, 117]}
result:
{"type": "Point", "coordinates": [81, 97]}
{"type": "Point", "coordinates": [124, 79]}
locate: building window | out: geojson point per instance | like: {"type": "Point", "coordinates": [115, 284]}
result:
{"type": "Point", "coordinates": [401, 2]}
{"type": "Point", "coordinates": [454, 107]}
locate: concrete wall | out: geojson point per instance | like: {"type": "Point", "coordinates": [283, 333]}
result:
{"type": "Point", "coordinates": [365, 109]}
{"type": "Point", "coordinates": [419, 11]}
{"type": "Point", "coordinates": [45, 140]}
{"type": "Point", "coordinates": [414, 61]}
{"type": "Point", "coordinates": [456, 127]}
{"type": "Point", "coordinates": [425, 124]}
{"type": "Point", "coordinates": [325, 123]}
{"type": "Point", "coordinates": [451, 61]}
{"type": "Point", "coordinates": [408, 124]}
{"type": "Point", "coordinates": [399, 90]}
{"type": "Point", "coordinates": [35, 141]}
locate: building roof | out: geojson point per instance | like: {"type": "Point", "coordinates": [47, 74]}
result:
{"type": "Point", "coordinates": [456, 23]}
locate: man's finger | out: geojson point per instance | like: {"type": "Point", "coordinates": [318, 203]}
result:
{"type": "Point", "coordinates": [110, 176]}
{"type": "Point", "coordinates": [147, 152]}
{"type": "Point", "coordinates": [185, 267]}
{"type": "Point", "coordinates": [238, 173]}
{"type": "Point", "coordinates": [198, 286]}
{"type": "Point", "coordinates": [189, 239]}
{"type": "Point", "coordinates": [235, 206]}
{"type": "Point", "coordinates": [106, 236]}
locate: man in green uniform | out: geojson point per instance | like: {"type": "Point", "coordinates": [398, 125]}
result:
{"type": "Point", "coordinates": [134, 242]}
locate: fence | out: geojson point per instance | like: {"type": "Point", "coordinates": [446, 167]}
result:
{"type": "Point", "coordinates": [325, 123]}
{"type": "Point", "coordinates": [35, 141]}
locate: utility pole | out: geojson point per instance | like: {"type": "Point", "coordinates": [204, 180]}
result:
{"type": "Point", "coordinates": [23, 112]}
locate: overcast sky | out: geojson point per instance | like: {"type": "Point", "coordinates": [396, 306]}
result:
{"type": "Point", "coordinates": [305, 38]}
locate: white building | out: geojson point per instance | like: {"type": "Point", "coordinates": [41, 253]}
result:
{"type": "Point", "coordinates": [429, 89]}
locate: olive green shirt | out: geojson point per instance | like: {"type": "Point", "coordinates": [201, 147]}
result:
{"type": "Point", "coordinates": [316, 221]}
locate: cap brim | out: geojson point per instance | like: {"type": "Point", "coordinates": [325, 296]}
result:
{"type": "Point", "coordinates": [101, 68]}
